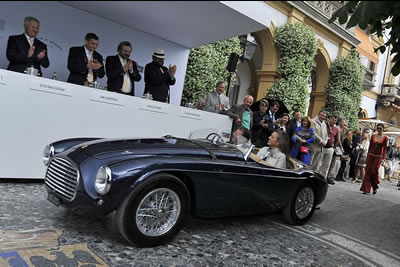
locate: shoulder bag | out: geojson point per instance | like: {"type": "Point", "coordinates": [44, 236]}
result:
{"type": "Point", "coordinates": [304, 149]}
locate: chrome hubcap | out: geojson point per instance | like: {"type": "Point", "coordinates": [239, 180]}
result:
{"type": "Point", "coordinates": [158, 212]}
{"type": "Point", "coordinates": [304, 202]}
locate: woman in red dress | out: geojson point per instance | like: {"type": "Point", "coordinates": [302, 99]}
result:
{"type": "Point", "coordinates": [376, 153]}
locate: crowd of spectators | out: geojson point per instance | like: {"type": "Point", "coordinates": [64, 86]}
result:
{"type": "Point", "coordinates": [319, 142]}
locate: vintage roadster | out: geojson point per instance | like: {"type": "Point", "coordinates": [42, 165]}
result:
{"type": "Point", "coordinates": [154, 183]}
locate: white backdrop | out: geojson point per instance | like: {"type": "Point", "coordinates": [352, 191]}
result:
{"type": "Point", "coordinates": [36, 111]}
{"type": "Point", "coordinates": [62, 26]}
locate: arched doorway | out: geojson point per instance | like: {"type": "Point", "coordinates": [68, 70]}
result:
{"type": "Point", "coordinates": [267, 69]}
{"type": "Point", "coordinates": [255, 76]}
{"type": "Point", "coordinates": [319, 81]}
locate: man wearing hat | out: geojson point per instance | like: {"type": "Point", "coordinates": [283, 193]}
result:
{"type": "Point", "coordinates": [158, 78]}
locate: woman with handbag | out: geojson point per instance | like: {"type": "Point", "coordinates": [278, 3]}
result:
{"type": "Point", "coordinates": [345, 157]}
{"type": "Point", "coordinates": [376, 153]}
{"type": "Point", "coordinates": [363, 151]}
{"type": "Point", "coordinates": [302, 138]}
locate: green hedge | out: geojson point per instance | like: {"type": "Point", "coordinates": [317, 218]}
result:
{"type": "Point", "coordinates": [207, 65]}
{"type": "Point", "coordinates": [297, 46]}
{"type": "Point", "coordinates": [344, 88]}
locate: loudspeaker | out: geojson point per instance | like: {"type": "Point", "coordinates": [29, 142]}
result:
{"type": "Point", "coordinates": [233, 60]}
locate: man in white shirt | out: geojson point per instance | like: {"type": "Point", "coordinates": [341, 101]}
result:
{"type": "Point", "coordinates": [122, 71]}
{"type": "Point", "coordinates": [217, 101]}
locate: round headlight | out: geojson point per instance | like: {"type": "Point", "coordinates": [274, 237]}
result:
{"type": "Point", "coordinates": [103, 180]}
{"type": "Point", "coordinates": [48, 152]}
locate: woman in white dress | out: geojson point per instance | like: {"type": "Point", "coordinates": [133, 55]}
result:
{"type": "Point", "coordinates": [363, 151]}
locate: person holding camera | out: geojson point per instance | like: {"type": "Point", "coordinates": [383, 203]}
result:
{"type": "Point", "coordinates": [283, 122]}
{"type": "Point", "coordinates": [259, 129]}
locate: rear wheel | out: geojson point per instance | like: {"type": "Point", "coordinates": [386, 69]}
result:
{"type": "Point", "coordinates": [302, 206]}
{"type": "Point", "coordinates": [155, 211]}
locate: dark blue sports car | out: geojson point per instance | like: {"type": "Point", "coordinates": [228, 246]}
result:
{"type": "Point", "coordinates": [154, 183]}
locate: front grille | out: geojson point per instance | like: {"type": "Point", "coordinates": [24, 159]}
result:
{"type": "Point", "coordinates": [62, 177]}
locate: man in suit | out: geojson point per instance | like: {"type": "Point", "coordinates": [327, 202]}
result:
{"type": "Point", "coordinates": [84, 63]}
{"type": "Point", "coordinates": [122, 71]}
{"type": "Point", "coordinates": [216, 101]}
{"type": "Point", "coordinates": [242, 115]}
{"type": "Point", "coordinates": [293, 124]}
{"type": "Point", "coordinates": [158, 78]}
{"type": "Point", "coordinates": [25, 50]}
{"type": "Point", "coordinates": [271, 119]}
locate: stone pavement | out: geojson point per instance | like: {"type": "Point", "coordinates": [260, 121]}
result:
{"type": "Point", "coordinates": [34, 232]}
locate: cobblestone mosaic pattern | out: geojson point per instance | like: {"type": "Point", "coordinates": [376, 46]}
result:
{"type": "Point", "coordinates": [26, 214]}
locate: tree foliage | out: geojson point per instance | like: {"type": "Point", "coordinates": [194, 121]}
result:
{"type": "Point", "coordinates": [381, 17]}
{"type": "Point", "coordinates": [207, 65]}
{"type": "Point", "coordinates": [297, 47]}
{"type": "Point", "coordinates": [344, 88]}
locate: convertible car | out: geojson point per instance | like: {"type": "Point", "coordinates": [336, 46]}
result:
{"type": "Point", "coordinates": [154, 183]}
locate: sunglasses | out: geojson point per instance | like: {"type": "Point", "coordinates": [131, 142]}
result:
{"type": "Point", "coordinates": [379, 128]}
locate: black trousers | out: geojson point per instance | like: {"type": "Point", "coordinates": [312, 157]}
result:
{"type": "Point", "coordinates": [339, 176]}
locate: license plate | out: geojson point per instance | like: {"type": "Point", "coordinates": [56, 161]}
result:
{"type": "Point", "coordinates": [54, 199]}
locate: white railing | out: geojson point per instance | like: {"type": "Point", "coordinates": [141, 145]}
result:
{"type": "Point", "coordinates": [326, 7]}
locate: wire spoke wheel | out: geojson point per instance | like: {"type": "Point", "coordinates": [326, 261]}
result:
{"type": "Point", "coordinates": [158, 212]}
{"type": "Point", "coordinates": [304, 203]}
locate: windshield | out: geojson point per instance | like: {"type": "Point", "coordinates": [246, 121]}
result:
{"type": "Point", "coordinates": [244, 148]}
{"type": "Point", "coordinates": [220, 138]}
{"type": "Point", "coordinates": [204, 133]}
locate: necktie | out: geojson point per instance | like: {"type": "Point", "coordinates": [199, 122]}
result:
{"type": "Point", "coordinates": [219, 101]}
{"type": "Point", "coordinates": [90, 77]}
{"type": "Point", "coordinates": [125, 84]}
{"type": "Point", "coordinates": [30, 42]}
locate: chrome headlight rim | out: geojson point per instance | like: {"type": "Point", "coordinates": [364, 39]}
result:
{"type": "Point", "coordinates": [103, 180]}
{"type": "Point", "coordinates": [48, 153]}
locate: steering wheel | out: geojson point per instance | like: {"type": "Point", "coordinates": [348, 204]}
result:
{"type": "Point", "coordinates": [214, 137]}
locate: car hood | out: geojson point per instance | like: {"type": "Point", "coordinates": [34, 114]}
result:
{"type": "Point", "coordinates": [108, 148]}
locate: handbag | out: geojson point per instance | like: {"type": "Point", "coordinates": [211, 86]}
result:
{"type": "Point", "coordinates": [344, 157]}
{"type": "Point", "coordinates": [304, 149]}
{"type": "Point", "coordinates": [338, 151]}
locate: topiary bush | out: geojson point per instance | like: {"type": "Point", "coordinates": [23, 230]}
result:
{"type": "Point", "coordinates": [207, 65]}
{"type": "Point", "coordinates": [344, 89]}
{"type": "Point", "coordinates": [297, 48]}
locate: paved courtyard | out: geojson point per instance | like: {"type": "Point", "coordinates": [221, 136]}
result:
{"type": "Point", "coordinates": [34, 232]}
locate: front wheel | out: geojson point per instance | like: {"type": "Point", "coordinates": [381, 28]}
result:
{"type": "Point", "coordinates": [302, 206]}
{"type": "Point", "coordinates": [155, 211]}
